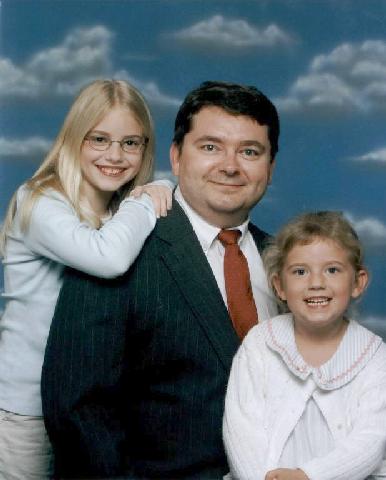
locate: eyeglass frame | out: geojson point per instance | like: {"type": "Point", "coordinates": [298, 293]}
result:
{"type": "Point", "coordinates": [144, 139]}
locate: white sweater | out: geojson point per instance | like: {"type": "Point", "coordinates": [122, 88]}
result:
{"type": "Point", "coordinates": [33, 267]}
{"type": "Point", "coordinates": [268, 392]}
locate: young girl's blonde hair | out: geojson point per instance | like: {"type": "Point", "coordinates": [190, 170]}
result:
{"type": "Point", "coordinates": [61, 168]}
{"type": "Point", "coordinates": [303, 230]}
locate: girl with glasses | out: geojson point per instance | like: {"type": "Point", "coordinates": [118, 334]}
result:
{"type": "Point", "coordinates": [75, 211]}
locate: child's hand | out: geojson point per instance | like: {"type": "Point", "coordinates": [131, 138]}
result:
{"type": "Point", "coordinates": [160, 195]}
{"type": "Point", "coordinates": [286, 474]}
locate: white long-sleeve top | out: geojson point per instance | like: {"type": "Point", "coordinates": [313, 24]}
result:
{"type": "Point", "coordinates": [269, 394]}
{"type": "Point", "coordinates": [33, 265]}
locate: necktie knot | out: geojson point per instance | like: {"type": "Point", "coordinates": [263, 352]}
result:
{"type": "Point", "coordinates": [229, 237]}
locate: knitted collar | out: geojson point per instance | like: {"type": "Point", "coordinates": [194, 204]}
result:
{"type": "Point", "coordinates": [356, 348]}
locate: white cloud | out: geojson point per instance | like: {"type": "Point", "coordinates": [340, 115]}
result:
{"type": "Point", "coordinates": [376, 157]}
{"type": "Point", "coordinates": [154, 95]}
{"type": "Point", "coordinates": [150, 91]}
{"type": "Point", "coordinates": [60, 71]}
{"type": "Point", "coordinates": [25, 148]}
{"type": "Point", "coordinates": [371, 230]}
{"type": "Point", "coordinates": [220, 33]}
{"type": "Point", "coordinates": [352, 77]}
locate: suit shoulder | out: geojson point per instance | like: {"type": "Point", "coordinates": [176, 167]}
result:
{"type": "Point", "coordinates": [261, 237]}
{"type": "Point", "coordinates": [255, 230]}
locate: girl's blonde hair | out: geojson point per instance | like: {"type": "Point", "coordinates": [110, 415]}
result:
{"type": "Point", "coordinates": [61, 169]}
{"type": "Point", "coordinates": [303, 230]}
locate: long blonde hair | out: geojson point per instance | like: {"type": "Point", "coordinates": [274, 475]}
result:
{"type": "Point", "coordinates": [61, 168]}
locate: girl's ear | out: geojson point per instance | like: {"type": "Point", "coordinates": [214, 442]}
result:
{"type": "Point", "coordinates": [361, 281]}
{"type": "Point", "coordinates": [276, 282]}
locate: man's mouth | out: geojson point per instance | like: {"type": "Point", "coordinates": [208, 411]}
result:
{"type": "Point", "coordinates": [317, 301]}
{"type": "Point", "coordinates": [111, 171]}
{"type": "Point", "coordinates": [227, 184]}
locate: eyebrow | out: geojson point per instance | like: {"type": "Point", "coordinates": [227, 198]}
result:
{"type": "Point", "coordinates": [253, 142]}
{"type": "Point", "coordinates": [305, 264]}
{"type": "Point", "coordinates": [102, 132]}
{"type": "Point", "coordinates": [210, 138]}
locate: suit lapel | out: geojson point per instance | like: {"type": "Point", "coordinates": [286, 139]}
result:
{"type": "Point", "coordinates": [186, 261]}
{"type": "Point", "coordinates": [261, 238]}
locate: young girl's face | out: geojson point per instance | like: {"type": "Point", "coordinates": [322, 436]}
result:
{"type": "Point", "coordinates": [104, 172]}
{"type": "Point", "coordinates": [318, 282]}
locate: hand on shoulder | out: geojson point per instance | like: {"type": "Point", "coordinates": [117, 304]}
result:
{"type": "Point", "coordinates": [161, 196]}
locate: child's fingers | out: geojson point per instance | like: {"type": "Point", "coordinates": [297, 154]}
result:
{"type": "Point", "coordinates": [157, 204]}
{"type": "Point", "coordinates": [162, 210]}
{"type": "Point", "coordinates": [169, 199]}
{"type": "Point", "coordinates": [161, 197]}
{"type": "Point", "coordinates": [164, 206]}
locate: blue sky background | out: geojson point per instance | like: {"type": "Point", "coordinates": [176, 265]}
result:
{"type": "Point", "coordinates": [322, 62]}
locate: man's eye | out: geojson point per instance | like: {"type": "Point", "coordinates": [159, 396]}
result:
{"type": "Point", "coordinates": [209, 147]}
{"type": "Point", "coordinates": [250, 152]}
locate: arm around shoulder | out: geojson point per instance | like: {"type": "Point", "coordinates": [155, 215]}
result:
{"type": "Point", "coordinates": [56, 232]}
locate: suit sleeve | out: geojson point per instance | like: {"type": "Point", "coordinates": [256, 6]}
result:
{"type": "Point", "coordinates": [81, 378]}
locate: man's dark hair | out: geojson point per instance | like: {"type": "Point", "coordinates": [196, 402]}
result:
{"type": "Point", "coordinates": [234, 98]}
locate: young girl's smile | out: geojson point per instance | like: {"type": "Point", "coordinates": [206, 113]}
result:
{"type": "Point", "coordinates": [318, 281]}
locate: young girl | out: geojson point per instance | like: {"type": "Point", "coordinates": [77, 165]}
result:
{"type": "Point", "coordinates": [75, 212]}
{"type": "Point", "coordinates": [306, 397]}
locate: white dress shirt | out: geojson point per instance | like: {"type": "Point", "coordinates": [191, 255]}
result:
{"type": "Point", "coordinates": [214, 251]}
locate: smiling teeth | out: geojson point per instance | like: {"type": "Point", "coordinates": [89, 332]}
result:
{"type": "Point", "coordinates": [111, 171]}
{"type": "Point", "coordinates": [317, 301]}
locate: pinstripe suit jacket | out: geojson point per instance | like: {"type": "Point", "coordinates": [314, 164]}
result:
{"type": "Point", "coordinates": [136, 368]}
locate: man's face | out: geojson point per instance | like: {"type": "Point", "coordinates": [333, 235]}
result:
{"type": "Point", "coordinates": [224, 165]}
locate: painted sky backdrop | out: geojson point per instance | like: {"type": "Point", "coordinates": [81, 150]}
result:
{"type": "Point", "coordinates": [322, 62]}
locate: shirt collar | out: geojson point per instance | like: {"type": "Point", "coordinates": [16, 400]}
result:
{"type": "Point", "coordinates": [356, 348]}
{"type": "Point", "coordinates": [206, 233]}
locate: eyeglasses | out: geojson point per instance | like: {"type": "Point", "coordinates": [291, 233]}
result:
{"type": "Point", "coordinates": [132, 144]}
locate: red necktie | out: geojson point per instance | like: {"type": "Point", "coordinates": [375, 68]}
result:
{"type": "Point", "coordinates": [241, 305]}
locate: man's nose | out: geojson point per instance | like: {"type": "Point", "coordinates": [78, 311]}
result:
{"type": "Point", "coordinates": [230, 163]}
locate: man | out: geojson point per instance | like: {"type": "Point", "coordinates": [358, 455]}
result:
{"type": "Point", "coordinates": [136, 369]}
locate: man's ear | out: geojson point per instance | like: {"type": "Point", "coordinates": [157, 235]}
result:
{"type": "Point", "coordinates": [175, 159]}
{"type": "Point", "coordinates": [361, 281]}
{"type": "Point", "coordinates": [276, 282]}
